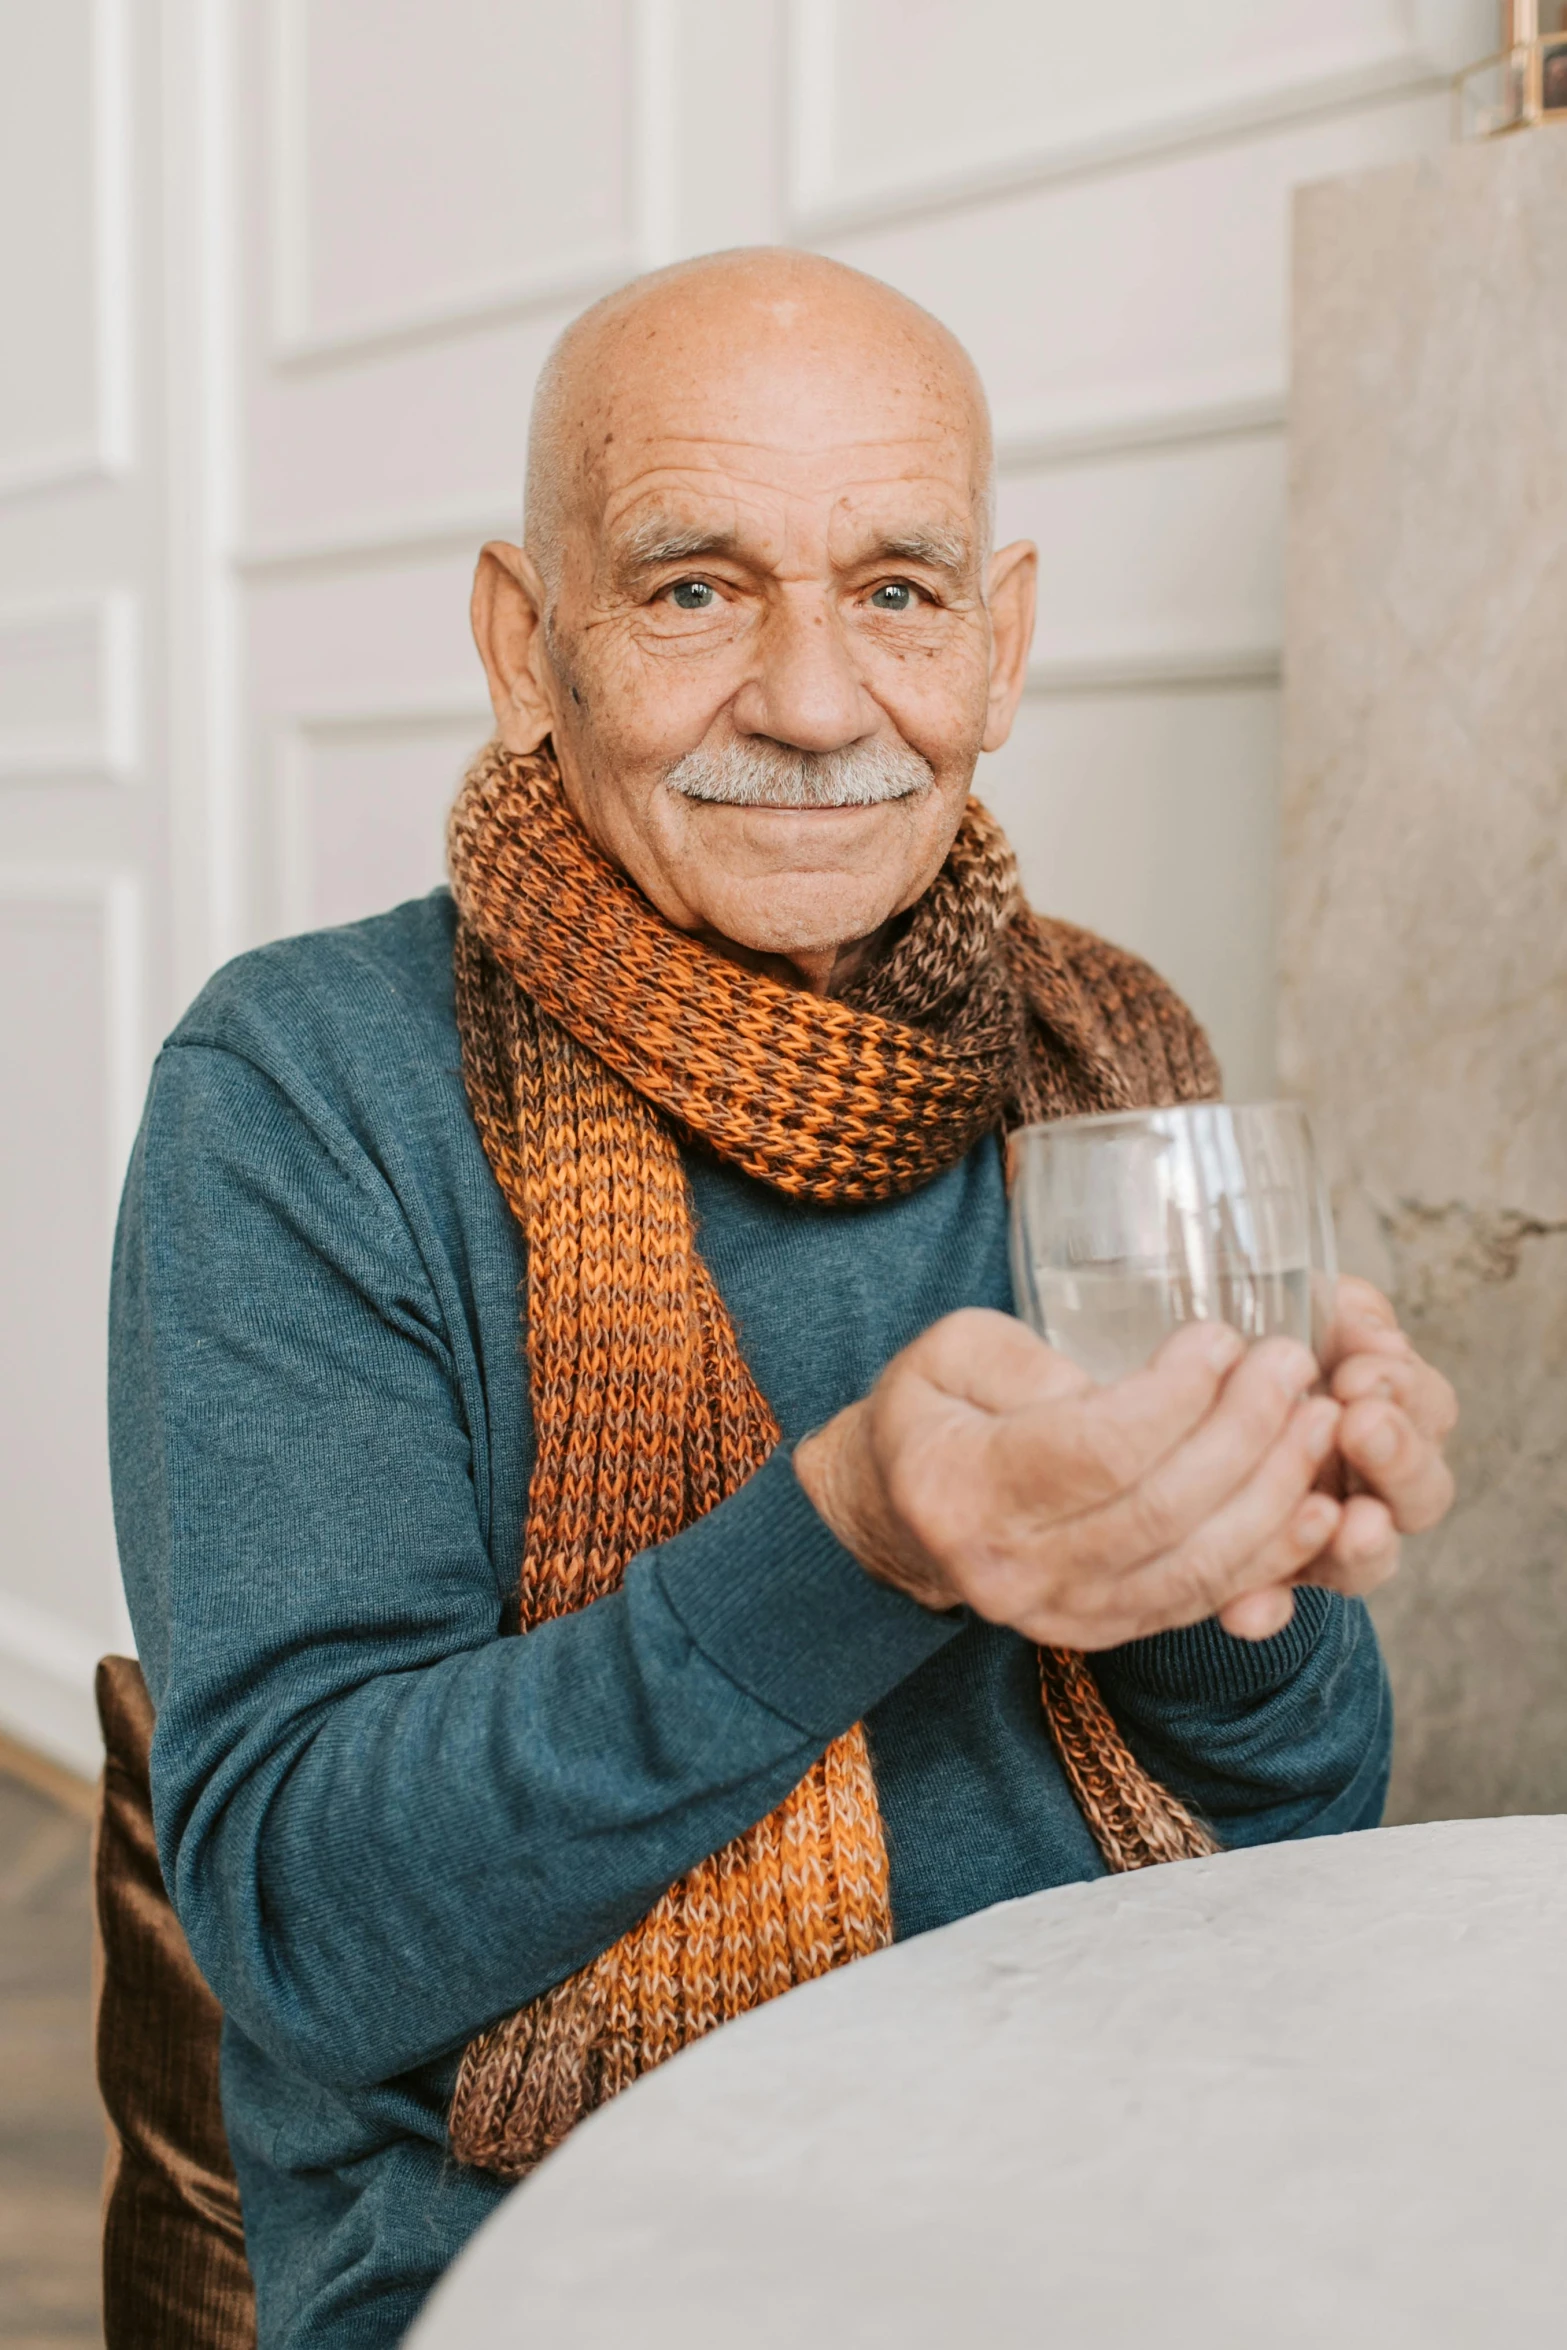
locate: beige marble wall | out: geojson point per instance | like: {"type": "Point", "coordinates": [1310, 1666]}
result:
{"type": "Point", "coordinates": [1423, 956]}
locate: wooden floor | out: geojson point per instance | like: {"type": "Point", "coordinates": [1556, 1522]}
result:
{"type": "Point", "coordinates": [51, 2132]}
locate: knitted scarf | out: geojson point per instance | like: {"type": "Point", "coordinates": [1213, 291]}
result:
{"type": "Point", "coordinates": [594, 1038]}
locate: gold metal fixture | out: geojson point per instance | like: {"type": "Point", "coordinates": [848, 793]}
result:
{"type": "Point", "coordinates": [1526, 82]}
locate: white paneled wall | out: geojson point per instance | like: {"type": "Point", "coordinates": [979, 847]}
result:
{"type": "Point", "coordinates": [276, 277]}
{"type": "Point", "coordinates": [81, 806]}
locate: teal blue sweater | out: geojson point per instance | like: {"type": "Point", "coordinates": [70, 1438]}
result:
{"type": "Point", "coordinates": [383, 1823]}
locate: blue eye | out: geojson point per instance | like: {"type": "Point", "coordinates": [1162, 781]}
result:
{"type": "Point", "coordinates": [691, 595]}
{"type": "Point", "coordinates": [894, 595]}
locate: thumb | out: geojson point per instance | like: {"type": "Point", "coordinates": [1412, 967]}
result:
{"type": "Point", "coordinates": [993, 1362]}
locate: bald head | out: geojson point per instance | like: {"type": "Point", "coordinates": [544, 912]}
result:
{"type": "Point", "coordinates": [726, 335]}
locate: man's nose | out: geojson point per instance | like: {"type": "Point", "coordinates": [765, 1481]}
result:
{"type": "Point", "coordinates": [806, 690]}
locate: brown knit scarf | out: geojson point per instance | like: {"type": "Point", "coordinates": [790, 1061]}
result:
{"type": "Point", "coordinates": [594, 1037]}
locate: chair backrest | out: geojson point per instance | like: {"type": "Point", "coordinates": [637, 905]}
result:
{"type": "Point", "coordinates": [174, 2268]}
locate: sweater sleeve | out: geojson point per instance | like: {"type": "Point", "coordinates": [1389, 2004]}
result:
{"type": "Point", "coordinates": [1265, 1740]}
{"type": "Point", "coordinates": [382, 1825]}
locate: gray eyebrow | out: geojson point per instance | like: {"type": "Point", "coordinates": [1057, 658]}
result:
{"type": "Point", "coordinates": [943, 550]}
{"type": "Point", "coordinates": [654, 541]}
{"type": "Point", "coordinates": [658, 541]}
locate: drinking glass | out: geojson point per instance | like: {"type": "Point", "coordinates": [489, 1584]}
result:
{"type": "Point", "coordinates": [1123, 1227]}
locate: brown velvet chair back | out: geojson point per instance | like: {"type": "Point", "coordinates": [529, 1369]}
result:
{"type": "Point", "coordinates": [174, 2270]}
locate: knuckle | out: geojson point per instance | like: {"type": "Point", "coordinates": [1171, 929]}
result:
{"type": "Point", "coordinates": [1432, 1503]}
{"type": "Point", "coordinates": [1373, 1569]}
{"type": "Point", "coordinates": [1310, 1529]}
{"type": "Point", "coordinates": [1443, 1407]}
{"type": "Point", "coordinates": [1367, 1536]}
{"type": "Point", "coordinates": [1255, 1418]}
{"type": "Point", "coordinates": [963, 1331]}
{"type": "Point", "coordinates": [928, 1355]}
{"type": "Point", "coordinates": [1286, 1361]}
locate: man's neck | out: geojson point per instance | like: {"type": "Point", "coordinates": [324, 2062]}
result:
{"type": "Point", "coordinates": [824, 971]}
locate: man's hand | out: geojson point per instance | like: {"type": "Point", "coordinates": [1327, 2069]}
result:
{"type": "Point", "coordinates": [1387, 1466]}
{"type": "Point", "coordinates": [985, 1468]}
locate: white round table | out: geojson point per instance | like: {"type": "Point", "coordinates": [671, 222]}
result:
{"type": "Point", "coordinates": [1310, 2095]}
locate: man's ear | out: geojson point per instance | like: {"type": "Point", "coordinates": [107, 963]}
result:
{"type": "Point", "coordinates": [1014, 571]}
{"type": "Point", "coordinates": [508, 628]}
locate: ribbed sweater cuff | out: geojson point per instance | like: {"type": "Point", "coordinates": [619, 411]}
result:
{"type": "Point", "coordinates": [773, 1599]}
{"type": "Point", "coordinates": [1204, 1663]}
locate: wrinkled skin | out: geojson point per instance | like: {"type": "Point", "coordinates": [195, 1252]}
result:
{"type": "Point", "coordinates": [766, 520]}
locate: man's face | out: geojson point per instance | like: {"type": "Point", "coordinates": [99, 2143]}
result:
{"type": "Point", "coordinates": [777, 595]}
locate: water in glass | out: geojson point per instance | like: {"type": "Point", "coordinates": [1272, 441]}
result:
{"type": "Point", "coordinates": [1125, 1226]}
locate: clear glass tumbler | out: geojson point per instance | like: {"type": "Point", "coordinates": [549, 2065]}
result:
{"type": "Point", "coordinates": [1123, 1227]}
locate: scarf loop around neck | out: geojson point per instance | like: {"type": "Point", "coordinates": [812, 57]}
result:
{"type": "Point", "coordinates": [594, 1036]}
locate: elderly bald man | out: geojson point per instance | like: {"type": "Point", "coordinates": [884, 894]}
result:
{"type": "Point", "coordinates": [705, 1061]}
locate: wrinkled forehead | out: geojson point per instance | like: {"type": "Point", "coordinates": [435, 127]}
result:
{"type": "Point", "coordinates": [864, 432]}
{"type": "Point", "coordinates": [768, 507]}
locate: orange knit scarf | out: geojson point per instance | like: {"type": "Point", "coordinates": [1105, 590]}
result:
{"type": "Point", "coordinates": [593, 1036]}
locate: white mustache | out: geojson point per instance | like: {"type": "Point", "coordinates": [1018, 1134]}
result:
{"type": "Point", "coordinates": [764, 774]}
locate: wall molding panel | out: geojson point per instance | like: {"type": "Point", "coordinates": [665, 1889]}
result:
{"type": "Point", "coordinates": [1158, 671]}
{"type": "Point", "coordinates": [820, 209]}
{"type": "Point", "coordinates": [390, 538]}
{"type": "Point", "coordinates": [1025, 445]}
{"type": "Point", "coordinates": [462, 718]}
{"type": "Point", "coordinates": [118, 899]}
{"type": "Point", "coordinates": [655, 100]}
{"type": "Point", "coordinates": [424, 713]}
{"type": "Point", "coordinates": [47, 1657]}
{"type": "Point", "coordinates": [106, 452]}
{"type": "Point", "coordinates": [204, 421]}
{"type": "Point", "coordinates": [529, 295]}
{"type": "Point", "coordinates": [114, 191]}
{"type": "Point", "coordinates": [562, 282]}
{"type": "Point", "coordinates": [69, 689]}
{"type": "Point", "coordinates": [83, 493]}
